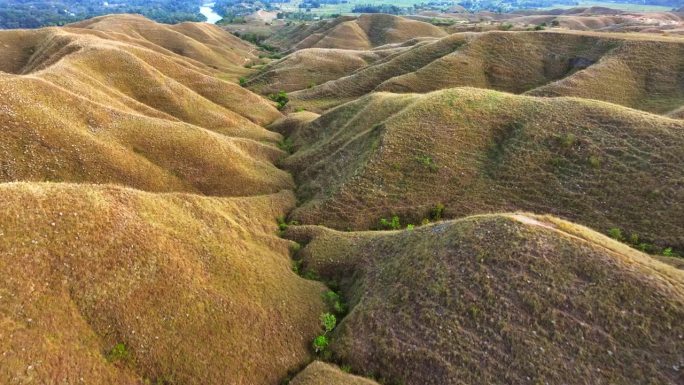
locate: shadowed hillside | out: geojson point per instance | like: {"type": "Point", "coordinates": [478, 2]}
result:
{"type": "Point", "coordinates": [190, 288]}
{"type": "Point", "coordinates": [500, 299]}
{"type": "Point", "coordinates": [310, 67]}
{"type": "Point", "coordinates": [360, 33]}
{"type": "Point", "coordinates": [474, 151]}
{"type": "Point", "coordinates": [101, 107]}
{"type": "Point", "coordinates": [631, 70]}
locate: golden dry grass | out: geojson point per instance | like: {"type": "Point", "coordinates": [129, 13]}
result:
{"type": "Point", "coordinates": [320, 373]}
{"type": "Point", "coordinates": [635, 70]}
{"type": "Point", "coordinates": [310, 67]}
{"type": "Point", "coordinates": [500, 299]}
{"type": "Point", "coordinates": [357, 33]}
{"type": "Point", "coordinates": [102, 105]}
{"type": "Point", "coordinates": [200, 290]}
{"type": "Point", "coordinates": [478, 151]}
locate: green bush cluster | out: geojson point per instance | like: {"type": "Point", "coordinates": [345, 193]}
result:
{"type": "Point", "coordinates": [321, 342]}
{"type": "Point", "coordinates": [391, 224]}
{"type": "Point", "coordinates": [280, 98]}
{"type": "Point", "coordinates": [636, 242]}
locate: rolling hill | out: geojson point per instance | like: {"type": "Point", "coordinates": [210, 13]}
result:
{"type": "Point", "coordinates": [161, 224]}
{"type": "Point", "coordinates": [638, 71]}
{"type": "Point", "coordinates": [105, 284]}
{"type": "Point", "coordinates": [97, 106]}
{"type": "Point", "coordinates": [473, 151]}
{"type": "Point", "coordinates": [500, 299]}
{"type": "Point", "coordinates": [356, 33]}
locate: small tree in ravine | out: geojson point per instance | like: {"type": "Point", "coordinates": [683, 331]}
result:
{"type": "Point", "coordinates": [328, 322]}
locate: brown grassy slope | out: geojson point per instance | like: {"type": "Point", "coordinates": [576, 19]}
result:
{"type": "Point", "coordinates": [200, 290]}
{"type": "Point", "coordinates": [365, 80]}
{"type": "Point", "coordinates": [204, 43]}
{"type": "Point", "coordinates": [309, 67]}
{"type": "Point", "coordinates": [364, 32]}
{"type": "Point", "coordinates": [477, 151]}
{"type": "Point", "coordinates": [51, 134]}
{"type": "Point", "coordinates": [82, 106]}
{"type": "Point", "coordinates": [640, 74]}
{"type": "Point", "coordinates": [501, 299]}
{"type": "Point", "coordinates": [320, 373]}
{"type": "Point", "coordinates": [293, 122]}
{"type": "Point", "coordinates": [644, 73]}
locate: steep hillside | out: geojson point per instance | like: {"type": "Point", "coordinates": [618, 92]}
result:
{"type": "Point", "coordinates": [83, 105]}
{"type": "Point", "coordinates": [359, 33]}
{"type": "Point", "coordinates": [500, 299]}
{"type": "Point", "coordinates": [112, 285]}
{"type": "Point", "coordinates": [310, 67]}
{"type": "Point", "coordinates": [203, 43]}
{"type": "Point", "coordinates": [631, 70]}
{"type": "Point", "coordinates": [472, 151]}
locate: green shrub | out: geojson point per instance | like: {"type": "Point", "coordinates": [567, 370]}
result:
{"type": "Point", "coordinates": [567, 140]}
{"type": "Point", "coordinates": [282, 225]}
{"type": "Point", "coordinates": [328, 321]}
{"type": "Point", "coordinates": [409, 227]}
{"type": "Point", "coordinates": [320, 343]}
{"type": "Point", "coordinates": [334, 301]}
{"type": "Point", "coordinates": [346, 368]}
{"type": "Point", "coordinates": [243, 81]}
{"type": "Point", "coordinates": [393, 224]}
{"type": "Point", "coordinates": [427, 161]}
{"type": "Point", "coordinates": [118, 353]}
{"type": "Point", "coordinates": [280, 98]}
{"type": "Point", "coordinates": [505, 26]}
{"type": "Point", "coordinates": [286, 145]}
{"type": "Point", "coordinates": [437, 212]}
{"type": "Point", "coordinates": [595, 161]}
{"type": "Point", "coordinates": [310, 275]}
{"type": "Point", "coordinates": [616, 234]}
{"type": "Point", "coordinates": [668, 252]}
{"type": "Point", "coordinates": [297, 267]}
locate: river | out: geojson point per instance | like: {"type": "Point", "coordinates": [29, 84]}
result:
{"type": "Point", "coordinates": [207, 10]}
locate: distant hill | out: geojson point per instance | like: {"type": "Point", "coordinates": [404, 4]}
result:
{"type": "Point", "coordinates": [473, 151]}
{"type": "Point", "coordinates": [500, 299]}
{"type": "Point", "coordinates": [362, 32]}
{"type": "Point", "coordinates": [635, 71]}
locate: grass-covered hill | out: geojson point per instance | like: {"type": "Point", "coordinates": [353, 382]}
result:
{"type": "Point", "coordinates": [144, 205]}
{"type": "Point", "coordinates": [471, 151]}
{"type": "Point", "coordinates": [308, 68]}
{"type": "Point", "coordinates": [357, 33]}
{"type": "Point", "coordinates": [638, 71]}
{"type": "Point", "coordinates": [102, 106]}
{"type": "Point", "coordinates": [500, 299]}
{"type": "Point", "coordinates": [105, 285]}
{"type": "Point", "coordinates": [320, 373]}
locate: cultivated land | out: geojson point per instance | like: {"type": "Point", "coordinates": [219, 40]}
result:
{"type": "Point", "coordinates": [162, 224]}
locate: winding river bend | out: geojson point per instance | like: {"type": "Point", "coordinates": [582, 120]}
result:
{"type": "Point", "coordinates": [207, 10]}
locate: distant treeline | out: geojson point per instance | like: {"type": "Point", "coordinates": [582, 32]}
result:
{"type": "Point", "coordinates": [382, 8]}
{"type": "Point", "coordinates": [40, 13]}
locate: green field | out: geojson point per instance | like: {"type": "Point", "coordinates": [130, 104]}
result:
{"type": "Point", "coordinates": [327, 9]}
